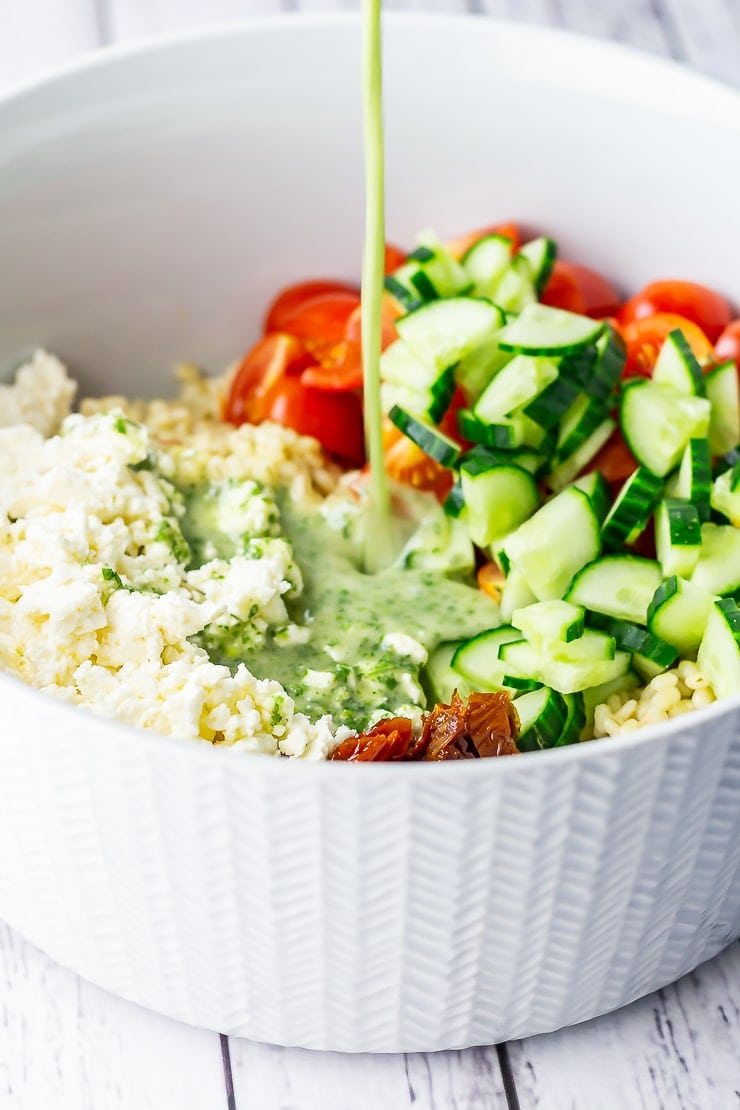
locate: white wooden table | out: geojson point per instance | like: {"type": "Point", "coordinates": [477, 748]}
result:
{"type": "Point", "coordinates": [65, 1045]}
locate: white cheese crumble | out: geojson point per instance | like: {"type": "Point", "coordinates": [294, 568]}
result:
{"type": "Point", "coordinates": [40, 396]}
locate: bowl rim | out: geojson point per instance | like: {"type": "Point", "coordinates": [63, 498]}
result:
{"type": "Point", "coordinates": [642, 66]}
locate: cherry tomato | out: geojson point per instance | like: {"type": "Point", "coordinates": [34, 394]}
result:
{"type": "Point", "coordinates": [462, 243]}
{"type": "Point", "coordinates": [408, 464]}
{"type": "Point", "coordinates": [394, 257]}
{"type": "Point", "coordinates": [709, 310]}
{"type": "Point", "coordinates": [615, 460]}
{"type": "Point", "coordinates": [334, 419]}
{"type": "Point", "coordinates": [578, 289]}
{"type": "Point", "coordinates": [313, 310]}
{"type": "Point", "coordinates": [260, 371]}
{"type": "Point", "coordinates": [340, 364]}
{"type": "Point", "coordinates": [491, 579]}
{"type": "Point", "coordinates": [728, 345]}
{"type": "Point", "coordinates": [645, 337]}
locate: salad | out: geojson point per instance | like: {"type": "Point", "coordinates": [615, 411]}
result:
{"type": "Point", "coordinates": [565, 552]}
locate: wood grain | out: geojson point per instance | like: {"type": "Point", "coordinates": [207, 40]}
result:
{"type": "Point", "coordinates": [66, 1045]}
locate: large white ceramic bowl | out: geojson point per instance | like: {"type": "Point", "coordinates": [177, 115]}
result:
{"type": "Point", "coordinates": [151, 201]}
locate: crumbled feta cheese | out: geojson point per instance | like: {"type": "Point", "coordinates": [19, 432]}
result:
{"type": "Point", "coordinates": [40, 396]}
{"type": "Point", "coordinates": [406, 647]}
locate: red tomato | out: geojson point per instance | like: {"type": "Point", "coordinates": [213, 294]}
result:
{"type": "Point", "coordinates": [260, 371]}
{"type": "Point", "coordinates": [709, 310]}
{"type": "Point", "coordinates": [394, 257]}
{"type": "Point", "coordinates": [728, 345]}
{"type": "Point", "coordinates": [340, 365]}
{"type": "Point", "coordinates": [313, 310]}
{"type": "Point", "coordinates": [645, 337]}
{"type": "Point", "coordinates": [408, 464]}
{"type": "Point", "coordinates": [334, 419]}
{"type": "Point", "coordinates": [458, 246]}
{"type": "Point", "coordinates": [614, 460]}
{"type": "Point", "coordinates": [578, 289]}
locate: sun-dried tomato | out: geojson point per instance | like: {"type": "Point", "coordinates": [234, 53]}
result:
{"type": "Point", "coordinates": [492, 723]}
{"type": "Point", "coordinates": [443, 732]}
{"type": "Point", "coordinates": [387, 741]}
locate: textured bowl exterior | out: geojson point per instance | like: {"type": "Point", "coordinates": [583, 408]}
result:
{"type": "Point", "coordinates": [370, 908]}
{"type": "Point", "coordinates": [332, 906]}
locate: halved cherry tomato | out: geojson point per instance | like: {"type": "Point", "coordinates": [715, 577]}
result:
{"type": "Point", "coordinates": [334, 419]}
{"type": "Point", "coordinates": [491, 579]}
{"type": "Point", "coordinates": [340, 364]}
{"type": "Point", "coordinates": [407, 463]}
{"type": "Point", "coordinates": [645, 337]}
{"type": "Point", "coordinates": [709, 310]}
{"type": "Point", "coordinates": [260, 371]}
{"type": "Point", "coordinates": [728, 345]}
{"type": "Point", "coordinates": [579, 289]}
{"type": "Point", "coordinates": [394, 257]}
{"type": "Point", "coordinates": [313, 310]}
{"type": "Point", "coordinates": [615, 460]}
{"type": "Point", "coordinates": [462, 243]}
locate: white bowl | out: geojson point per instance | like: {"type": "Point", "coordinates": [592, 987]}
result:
{"type": "Point", "coordinates": [151, 201]}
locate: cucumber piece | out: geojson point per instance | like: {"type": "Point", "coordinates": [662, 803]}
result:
{"type": "Point", "coordinates": [553, 402]}
{"type": "Point", "coordinates": [400, 366]}
{"type": "Point", "coordinates": [543, 715]}
{"type": "Point", "coordinates": [486, 262]}
{"type": "Point", "coordinates": [598, 491]}
{"type": "Point", "coordinates": [590, 646]}
{"type": "Point", "coordinates": [678, 614]}
{"type": "Point", "coordinates": [515, 594]}
{"type": "Point", "coordinates": [657, 423]}
{"type": "Point", "coordinates": [498, 496]}
{"type": "Point", "coordinates": [515, 385]}
{"type": "Point", "coordinates": [718, 567]}
{"type": "Point", "coordinates": [516, 288]}
{"type": "Point", "coordinates": [556, 542]}
{"type": "Point", "coordinates": [639, 641]}
{"type": "Point", "coordinates": [631, 510]}
{"type": "Point", "coordinates": [725, 496]}
{"type": "Point", "coordinates": [606, 372]}
{"type": "Point", "coordinates": [574, 721]}
{"type": "Point", "coordinates": [438, 677]}
{"type": "Point", "coordinates": [501, 436]}
{"type": "Point", "coordinates": [540, 253]}
{"type": "Point", "coordinates": [677, 366]}
{"type": "Point", "coordinates": [427, 406]}
{"type": "Point", "coordinates": [440, 543]}
{"type": "Point", "coordinates": [477, 659]}
{"type": "Point", "coordinates": [455, 502]}
{"type": "Point", "coordinates": [719, 652]}
{"type": "Point", "coordinates": [724, 395]}
{"type": "Point", "coordinates": [677, 537]}
{"type": "Point", "coordinates": [567, 468]}
{"type": "Point", "coordinates": [443, 332]}
{"type": "Point", "coordinates": [620, 586]}
{"type": "Point", "coordinates": [475, 370]}
{"type": "Point", "coordinates": [550, 620]}
{"type": "Point", "coordinates": [541, 330]}
{"type": "Point", "coordinates": [431, 441]}
{"type": "Point", "coordinates": [566, 676]}
{"type": "Point", "coordinates": [694, 478]}
{"type": "Point", "coordinates": [429, 272]}
{"type": "Point", "coordinates": [581, 420]}
{"type": "Point", "coordinates": [729, 461]}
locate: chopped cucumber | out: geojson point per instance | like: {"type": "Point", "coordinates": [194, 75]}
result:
{"type": "Point", "coordinates": [724, 395]}
{"type": "Point", "coordinates": [550, 620]}
{"type": "Point", "coordinates": [719, 651]}
{"type": "Point", "coordinates": [549, 406]}
{"type": "Point", "coordinates": [543, 715]}
{"type": "Point", "coordinates": [427, 406]}
{"type": "Point", "coordinates": [429, 272]}
{"type": "Point", "coordinates": [540, 253]}
{"type": "Point", "coordinates": [718, 567]}
{"type": "Point", "coordinates": [518, 383]}
{"type": "Point", "coordinates": [631, 510]}
{"type": "Point", "coordinates": [431, 441]}
{"type": "Point", "coordinates": [677, 537]}
{"type": "Point", "coordinates": [575, 720]}
{"type": "Point", "coordinates": [620, 586]}
{"type": "Point", "coordinates": [498, 496]}
{"type": "Point", "coordinates": [597, 489]}
{"type": "Point", "coordinates": [678, 614]}
{"type": "Point", "coordinates": [477, 659]}
{"type": "Point", "coordinates": [658, 422]}
{"type": "Point", "coordinates": [591, 645]}
{"type": "Point", "coordinates": [440, 679]}
{"type": "Point", "coordinates": [516, 287]}
{"type": "Point", "coordinates": [631, 637]}
{"type": "Point", "coordinates": [455, 502]}
{"type": "Point", "coordinates": [443, 332]}
{"type": "Point", "coordinates": [581, 420]}
{"type": "Point", "coordinates": [573, 464]}
{"type": "Point", "coordinates": [501, 436]}
{"type": "Point", "coordinates": [677, 366]}
{"type": "Point", "coordinates": [541, 330]}
{"type": "Point", "coordinates": [567, 676]}
{"type": "Point", "coordinates": [607, 369]}
{"type": "Point", "coordinates": [555, 543]}
{"type": "Point", "coordinates": [475, 370]}
{"type": "Point", "coordinates": [400, 366]}
{"type": "Point", "coordinates": [725, 496]}
{"type": "Point", "coordinates": [515, 594]}
{"type": "Point", "coordinates": [694, 478]}
{"type": "Point", "coordinates": [486, 262]}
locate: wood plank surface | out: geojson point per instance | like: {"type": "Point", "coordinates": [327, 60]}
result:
{"type": "Point", "coordinates": [65, 1045]}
